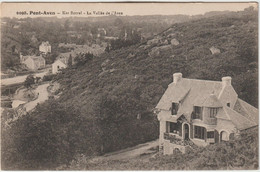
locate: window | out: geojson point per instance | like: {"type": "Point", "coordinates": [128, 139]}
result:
{"type": "Point", "coordinates": [210, 134]}
{"type": "Point", "coordinates": [175, 107]}
{"type": "Point", "coordinates": [199, 132]}
{"type": "Point", "coordinates": [171, 127]}
{"type": "Point", "coordinates": [213, 112]}
{"type": "Point", "coordinates": [228, 104]}
{"type": "Point", "coordinates": [197, 113]}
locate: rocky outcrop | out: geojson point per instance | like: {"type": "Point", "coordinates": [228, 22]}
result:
{"type": "Point", "coordinates": [130, 55]}
{"type": "Point", "coordinates": [175, 42]}
{"type": "Point", "coordinates": [104, 64]}
{"type": "Point", "coordinates": [153, 41]}
{"type": "Point", "coordinates": [214, 50]}
{"type": "Point", "coordinates": [157, 50]}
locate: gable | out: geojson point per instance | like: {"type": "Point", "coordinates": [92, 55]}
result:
{"type": "Point", "coordinates": [60, 63]}
{"type": "Point", "coordinates": [228, 95]}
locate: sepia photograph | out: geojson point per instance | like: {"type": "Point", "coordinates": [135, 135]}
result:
{"type": "Point", "coordinates": [129, 86]}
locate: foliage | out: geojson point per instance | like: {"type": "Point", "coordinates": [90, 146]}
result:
{"type": "Point", "coordinates": [238, 154]}
{"type": "Point", "coordinates": [70, 61]}
{"type": "Point", "coordinates": [46, 138]}
{"type": "Point", "coordinates": [29, 81]}
{"type": "Point", "coordinates": [81, 59]}
{"type": "Point", "coordinates": [48, 77]}
{"type": "Point", "coordinates": [30, 32]}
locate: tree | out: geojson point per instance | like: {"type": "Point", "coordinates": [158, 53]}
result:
{"type": "Point", "coordinates": [37, 79]}
{"type": "Point", "coordinates": [70, 61]}
{"type": "Point", "coordinates": [29, 81]}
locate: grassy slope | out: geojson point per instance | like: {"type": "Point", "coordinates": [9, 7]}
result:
{"type": "Point", "coordinates": [145, 78]}
{"type": "Point", "coordinates": [139, 81]}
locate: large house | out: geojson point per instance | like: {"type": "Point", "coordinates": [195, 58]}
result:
{"type": "Point", "coordinates": [200, 112]}
{"type": "Point", "coordinates": [33, 62]}
{"type": "Point", "coordinates": [45, 47]}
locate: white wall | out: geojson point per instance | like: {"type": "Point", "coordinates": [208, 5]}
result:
{"type": "Point", "coordinates": [30, 64]}
{"type": "Point", "coordinates": [57, 64]}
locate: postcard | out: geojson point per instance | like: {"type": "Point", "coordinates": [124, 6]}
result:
{"type": "Point", "coordinates": [129, 86]}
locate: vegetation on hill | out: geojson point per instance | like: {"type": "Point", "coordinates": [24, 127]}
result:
{"type": "Point", "coordinates": [107, 103]}
{"type": "Point", "coordinates": [25, 35]}
{"type": "Point", "coordinates": [238, 154]}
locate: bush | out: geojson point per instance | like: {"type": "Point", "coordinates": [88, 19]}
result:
{"type": "Point", "coordinates": [29, 81]}
{"type": "Point", "coordinates": [48, 77]}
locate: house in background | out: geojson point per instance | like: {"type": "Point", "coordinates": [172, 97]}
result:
{"type": "Point", "coordinates": [62, 61]}
{"type": "Point", "coordinates": [58, 65]}
{"type": "Point", "coordinates": [33, 62]}
{"type": "Point", "coordinates": [45, 47]}
{"type": "Point", "coordinates": [201, 112]}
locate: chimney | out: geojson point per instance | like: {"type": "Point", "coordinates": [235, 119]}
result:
{"type": "Point", "coordinates": [226, 81]}
{"type": "Point", "coordinates": [177, 77]}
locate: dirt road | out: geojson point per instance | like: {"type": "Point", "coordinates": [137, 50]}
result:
{"type": "Point", "coordinates": [19, 79]}
{"type": "Point", "coordinates": [43, 95]}
{"type": "Point", "coordinates": [129, 153]}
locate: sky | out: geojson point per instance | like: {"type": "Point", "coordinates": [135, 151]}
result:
{"type": "Point", "coordinates": [87, 9]}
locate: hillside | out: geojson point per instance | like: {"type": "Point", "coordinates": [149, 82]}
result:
{"type": "Point", "coordinates": [239, 154]}
{"type": "Point", "coordinates": [107, 103]}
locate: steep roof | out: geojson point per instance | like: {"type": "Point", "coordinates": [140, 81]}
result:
{"type": "Point", "coordinates": [37, 58]}
{"type": "Point", "coordinates": [212, 101]}
{"type": "Point", "coordinates": [196, 92]}
{"type": "Point", "coordinates": [247, 110]}
{"type": "Point", "coordinates": [193, 92]}
{"type": "Point", "coordinates": [64, 57]}
{"type": "Point", "coordinates": [34, 58]}
{"type": "Point", "coordinates": [240, 121]}
{"type": "Point", "coordinates": [45, 43]}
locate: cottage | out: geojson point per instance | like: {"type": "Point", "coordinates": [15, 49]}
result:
{"type": "Point", "coordinates": [45, 47]}
{"type": "Point", "coordinates": [58, 65]}
{"type": "Point", "coordinates": [33, 62]}
{"type": "Point", "coordinates": [62, 61]}
{"type": "Point", "coordinates": [200, 112]}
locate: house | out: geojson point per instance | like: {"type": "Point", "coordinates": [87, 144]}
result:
{"type": "Point", "coordinates": [33, 62]}
{"type": "Point", "coordinates": [45, 47]}
{"type": "Point", "coordinates": [62, 61]}
{"type": "Point", "coordinates": [200, 112]}
{"type": "Point", "coordinates": [58, 65]}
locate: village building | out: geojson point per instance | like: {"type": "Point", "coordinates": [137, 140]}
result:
{"type": "Point", "coordinates": [200, 112]}
{"type": "Point", "coordinates": [33, 62]}
{"type": "Point", "coordinates": [45, 47]}
{"type": "Point", "coordinates": [62, 61]}
{"type": "Point", "coordinates": [58, 65]}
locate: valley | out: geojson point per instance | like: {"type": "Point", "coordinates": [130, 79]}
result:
{"type": "Point", "coordinates": [96, 108]}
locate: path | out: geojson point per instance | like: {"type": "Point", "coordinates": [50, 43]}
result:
{"type": "Point", "coordinates": [129, 153]}
{"type": "Point", "coordinates": [43, 95]}
{"type": "Point", "coordinates": [19, 79]}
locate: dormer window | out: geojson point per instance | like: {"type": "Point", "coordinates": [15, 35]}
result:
{"type": "Point", "coordinates": [197, 112]}
{"type": "Point", "coordinates": [175, 107]}
{"type": "Point", "coordinates": [213, 112]}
